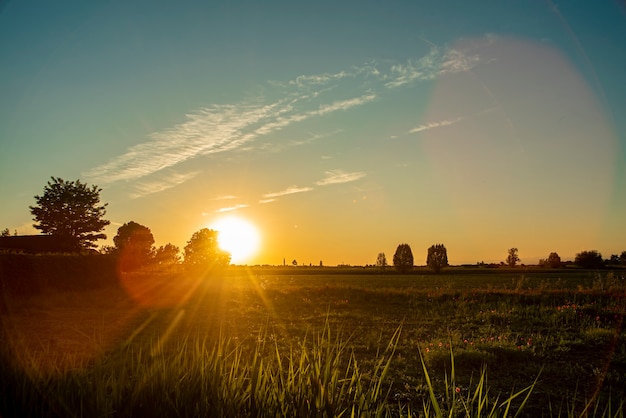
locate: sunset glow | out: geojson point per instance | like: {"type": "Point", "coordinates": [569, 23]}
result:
{"type": "Point", "coordinates": [344, 129]}
{"type": "Point", "coordinates": [239, 237]}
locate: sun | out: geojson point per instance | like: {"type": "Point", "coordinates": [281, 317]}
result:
{"type": "Point", "coordinates": [237, 236]}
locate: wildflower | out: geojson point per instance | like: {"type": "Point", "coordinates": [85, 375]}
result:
{"type": "Point", "coordinates": [458, 390]}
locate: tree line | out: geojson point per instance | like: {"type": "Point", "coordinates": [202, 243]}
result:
{"type": "Point", "coordinates": [72, 211]}
{"type": "Point", "coordinates": [437, 259]}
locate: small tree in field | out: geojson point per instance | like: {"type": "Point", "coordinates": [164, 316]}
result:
{"type": "Point", "coordinates": [437, 257]}
{"type": "Point", "coordinates": [622, 258]}
{"type": "Point", "coordinates": [553, 261]}
{"type": "Point", "coordinates": [381, 261]}
{"type": "Point", "coordinates": [512, 258]}
{"type": "Point", "coordinates": [70, 210]}
{"type": "Point", "coordinates": [403, 258]}
{"type": "Point", "coordinates": [202, 250]}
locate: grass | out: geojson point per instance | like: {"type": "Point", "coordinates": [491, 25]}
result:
{"type": "Point", "coordinates": [259, 343]}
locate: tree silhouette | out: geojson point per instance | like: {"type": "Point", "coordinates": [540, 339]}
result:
{"type": "Point", "coordinates": [591, 259]}
{"type": "Point", "coordinates": [167, 255]}
{"type": "Point", "coordinates": [554, 261]}
{"type": "Point", "coordinates": [202, 250]}
{"type": "Point", "coordinates": [403, 258]}
{"type": "Point", "coordinates": [133, 243]}
{"type": "Point", "coordinates": [437, 257]}
{"type": "Point", "coordinates": [71, 211]}
{"type": "Point", "coordinates": [381, 261]}
{"type": "Point", "coordinates": [512, 258]}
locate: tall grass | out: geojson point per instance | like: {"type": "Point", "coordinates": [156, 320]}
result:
{"type": "Point", "coordinates": [193, 377]}
{"type": "Point", "coordinates": [319, 377]}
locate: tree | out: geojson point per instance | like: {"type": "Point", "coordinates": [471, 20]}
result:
{"type": "Point", "coordinates": [381, 261]}
{"type": "Point", "coordinates": [71, 211]}
{"type": "Point", "coordinates": [403, 258]}
{"type": "Point", "coordinates": [167, 255]}
{"type": "Point", "coordinates": [202, 250]}
{"type": "Point", "coordinates": [591, 259]}
{"type": "Point", "coordinates": [622, 257]}
{"type": "Point", "coordinates": [5, 233]}
{"type": "Point", "coordinates": [512, 258]}
{"type": "Point", "coordinates": [437, 257]}
{"type": "Point", "coordinates": [133, 243]}
{"type": "Point", "coordinates": [554, 261]}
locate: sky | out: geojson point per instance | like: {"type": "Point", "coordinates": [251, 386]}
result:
{"type": "Point", "coordinates": [339, 129]}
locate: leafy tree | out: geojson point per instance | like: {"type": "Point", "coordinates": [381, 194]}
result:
{"type": "Point", "coordinates": [437, 257]}
{"type": "Point", "coordinates": [167, 255]}
{"type": "Point", "coordinates": [622, 257]}
{"type": "Point", "coordinates": [294, 262]}
{"type": "Point", "coordinates": [381, 261]}
{"type": "Point", "coordinates": [614, 259]}
{"type": "Point", "coordinates": [133, 243]}
{"type": "Point", "coordinates": [70, 210]}
{"type": "Point", "coordinates": [553, 261]}
{"type": "Point", "coordinates": [403, 258]}
{"type": "Point", "coordinates": [512, 258]}
{"type": "Point", "coordinates": [591, 259]}
{"type": "Point", "coordinates": [202, 250]}
{"type": "Point", "coordinates": [5, 233]}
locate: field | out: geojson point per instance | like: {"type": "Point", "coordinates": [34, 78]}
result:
{"type": "Point", "coordinates": [320, 342]}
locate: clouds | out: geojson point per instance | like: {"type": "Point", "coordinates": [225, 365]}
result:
{"type": "Point", "coordinates": [223, 128]}
{"type": "Point", "coordinates": [340, 176]}
{"type": "Point", "coordinates": [144, 188]}
{"type": "Point", "coordinates": [287, 191]}
{"type": "Point", "coordinates": [331, 177]}
{"type": "Point", "coordinates": [432, 125]}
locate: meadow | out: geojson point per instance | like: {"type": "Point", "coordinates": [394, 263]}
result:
{"type": "Point", "coordinates": [326, 341]}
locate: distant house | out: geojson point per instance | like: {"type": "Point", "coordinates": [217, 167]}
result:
{"type": "Point", "coordinates": [34, 244]}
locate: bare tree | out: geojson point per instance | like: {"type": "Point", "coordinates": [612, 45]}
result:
{"type": "Point", "coordinates": [512, 259]}
{"type": "Point", "coordinates": [381, 261]}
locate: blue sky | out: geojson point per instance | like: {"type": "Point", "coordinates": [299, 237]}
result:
{"type": "Point", "coordinates": [340, 130]}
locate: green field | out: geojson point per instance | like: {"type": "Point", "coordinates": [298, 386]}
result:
{"type": "Point", "coordinates": [320, 342]}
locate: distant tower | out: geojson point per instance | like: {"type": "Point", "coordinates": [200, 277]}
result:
{"type": "Point", "coordinates": [284, 263]}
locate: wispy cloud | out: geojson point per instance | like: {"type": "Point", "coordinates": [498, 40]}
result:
{"type": "Point", "coordinates": [144, 188]}
{"type": "Point", "coordinates": [222, 128]}
{"type": "Point", "coordinates": [289, 190]}
{"type": "Point", "coordinates": [232, 208]}
{"type": "Point", "coordinates": [209, 131]}
{"type": "Point", "coordinates": [340, 176]}
{"type": "Point", "coordinates": [225, 197]}
{"type": "Point", "coordinates": [345, 104]}
{"type": "Point", "coordinates": [432, 125]}
{"type": "Point", "coordinates": [438, 62]}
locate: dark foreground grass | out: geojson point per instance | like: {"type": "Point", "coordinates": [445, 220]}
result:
{"type": "Point", "coordinates": [258, 343]}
